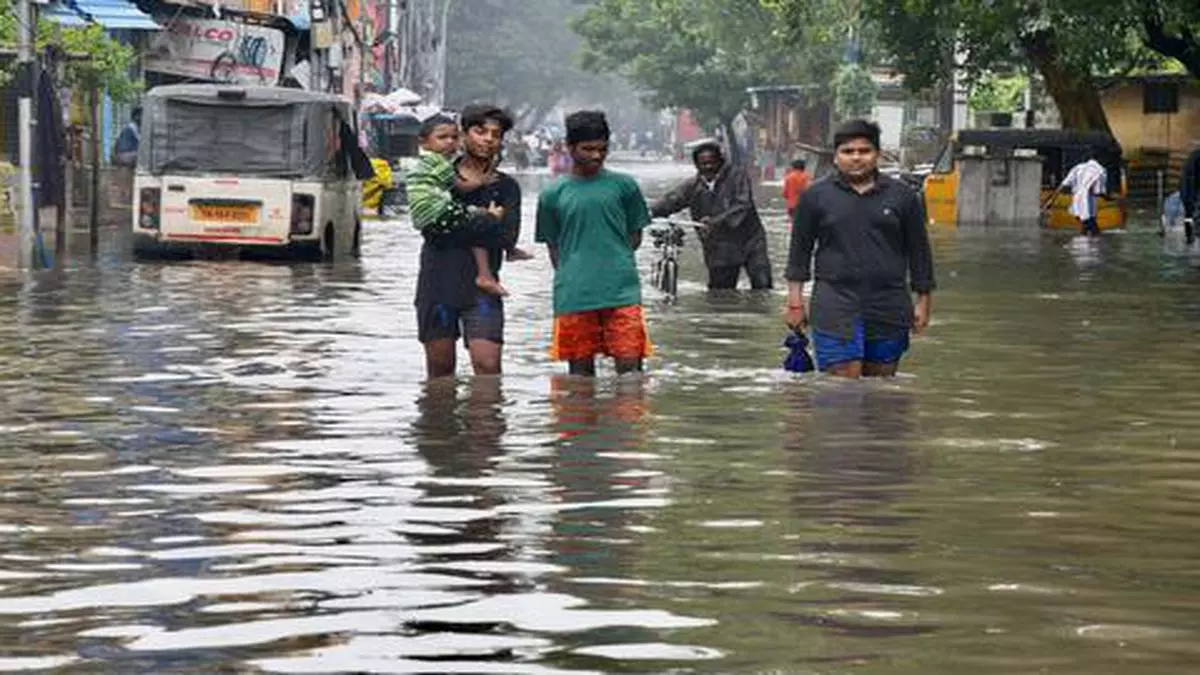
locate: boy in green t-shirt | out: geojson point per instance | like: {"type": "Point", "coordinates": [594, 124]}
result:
{"type": "Point", "coordinates": [591, 221]}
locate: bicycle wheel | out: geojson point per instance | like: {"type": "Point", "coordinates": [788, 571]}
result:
{"type": "Point", "coordinates": [670, 278]}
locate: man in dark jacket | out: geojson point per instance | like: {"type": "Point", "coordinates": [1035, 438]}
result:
{"type": "Point", "coordinates": [722, 198]}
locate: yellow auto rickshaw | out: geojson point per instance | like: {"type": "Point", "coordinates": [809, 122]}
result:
{"type": "Point", "coordinates": [393, 147]}
{"type": "Point", "coordinates": [1059, 150]}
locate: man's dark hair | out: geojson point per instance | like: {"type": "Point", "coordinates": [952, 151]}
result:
{"type": "Point", "coordinates": [478, 115]}
{"type": "Point", "coordinates": [799, 164]}
{"type": "Point", "coordinates": [587, 125]}
{"type": "Point", "coordinates": [434, 122]}
{"type": "Point", "coordinates": [710, 146]}
{"type": "Point", "coordinates": [855, 129]}
{"type": "Point", "coordinates": [136, 114]}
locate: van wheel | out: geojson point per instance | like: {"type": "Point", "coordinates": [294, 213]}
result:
{"type": "Point", "coordinates": [327, 247]}
{"type": "Point", "coordinates": [356, 246]}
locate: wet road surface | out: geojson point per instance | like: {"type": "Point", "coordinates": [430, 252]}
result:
{"type": "Point", "coordinates": [234, 467]}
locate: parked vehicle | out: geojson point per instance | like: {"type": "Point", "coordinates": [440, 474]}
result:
{"type": "Point", "coordinates": [391, 140]}
{"type": "Point", "coordinates": [1059, 149]}
{"type": "Point", "coordinates": [264, 168]}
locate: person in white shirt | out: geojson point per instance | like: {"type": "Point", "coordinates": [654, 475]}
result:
{"type": "Point", "coordinates": [1087, 181]}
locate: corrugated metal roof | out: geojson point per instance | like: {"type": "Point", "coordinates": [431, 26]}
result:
{"type": "Point", "coordinates": [62, 14]}
{"type": "Point", "coordinates": [111, 14]}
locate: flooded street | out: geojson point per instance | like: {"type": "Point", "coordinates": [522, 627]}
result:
{"type": "Point", "coordinates": [231, 467]}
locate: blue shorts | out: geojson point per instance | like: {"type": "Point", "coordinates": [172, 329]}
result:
{"type": "Point", "coordinates": [833, 349]}
{"type": "Point", "coordinates": [483, 320]}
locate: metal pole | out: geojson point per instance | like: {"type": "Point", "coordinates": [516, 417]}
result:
{"type": "Point", "coordinates": [25, 129]}
{"type": "Point", "coordinates": [1161, 189]}
{"type": "Point", "coordinates": [389, 46]}
{"type": "Point", "coordinates": [442, 48]}
{"type": "Point", "coordinates": [94, 188]}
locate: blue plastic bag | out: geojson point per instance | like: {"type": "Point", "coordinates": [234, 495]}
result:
{"type": "Point", "coordinates": [798, 360]}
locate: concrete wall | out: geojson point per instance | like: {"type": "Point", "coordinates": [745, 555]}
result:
{"type": "Point", "coordinates": [1137, 131]}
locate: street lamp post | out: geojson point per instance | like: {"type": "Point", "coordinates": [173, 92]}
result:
{"type": "Point", "coordinates": [25, 43]}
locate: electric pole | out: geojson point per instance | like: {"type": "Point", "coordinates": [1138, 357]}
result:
{"type": "Point", "coordinates": [25, 22]}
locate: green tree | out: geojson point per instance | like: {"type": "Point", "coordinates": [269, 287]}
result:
{"type": "Point", "coordinates": [998, 93]}
{"type": "Point", "coordinates": [1170, 28]}
{"type": "Point", "coordinates": [699, 55]}
{"type": "Point", "coordinates": [854, 91]}
{"type": "Point", "coordinates": [926, 37]}
{"type": "Point", "coordinates": [95, 61]}
{"type": "Point", "coordinates": [1068, 42]}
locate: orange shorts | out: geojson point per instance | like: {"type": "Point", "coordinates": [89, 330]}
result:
{"type": "Point", "coordinates": [619, 332]}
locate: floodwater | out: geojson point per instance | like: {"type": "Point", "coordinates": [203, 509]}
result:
{"type": "Point", "coordinates": [233, 467]}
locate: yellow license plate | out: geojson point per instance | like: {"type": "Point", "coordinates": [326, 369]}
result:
{"type": "Point", "coordinates": [224, 213]}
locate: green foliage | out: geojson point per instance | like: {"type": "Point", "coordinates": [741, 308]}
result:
{"type": "Point", "coordinates": [1087, 38]}
{"type": "Point", "coordinates": [107, 67]}
{"type": "Point", "coordinates": [700, 55]}
{"type": "Point", "coordinates": [95, 60]}
{"type": "Point", "coordinates": [998, 93]}
{"type": "Point", "coordinates": [1171, 28]}
{"type": "Point", "coordinates": [853, 92]}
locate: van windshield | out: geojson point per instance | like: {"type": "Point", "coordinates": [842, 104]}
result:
{"type": "Point", "coordinates": [201, 138]}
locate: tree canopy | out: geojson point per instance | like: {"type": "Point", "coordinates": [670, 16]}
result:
{"type": "Point", "coordinates": [1067, 42]}
{"type": "Point", "coordinates": [701, 55]}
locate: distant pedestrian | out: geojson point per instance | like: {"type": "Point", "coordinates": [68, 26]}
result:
{"type": "Point", "coordinates": [126, 149]}
{"type": "Point", "coordinates": [1087, 181]}
{"type": "Point", "coordinates": [871, 248]}
{"type": "Point", "coordinates": [559, 160]}
{"type": "Point", "coordinates": [591, 221]}
{"type": "Point", "coordinates": [1172, 213]}
{"type": "Point", "coordinates": [1189, 190]}
{"type": "Point", "coordinates": [795, 183]}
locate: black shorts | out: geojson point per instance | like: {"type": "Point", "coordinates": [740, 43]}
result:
{"type": "Point", "coordinates": [482, 321]}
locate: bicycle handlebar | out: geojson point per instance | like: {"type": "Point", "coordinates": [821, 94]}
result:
{"type": "Point", "coordinates": [672, 223]}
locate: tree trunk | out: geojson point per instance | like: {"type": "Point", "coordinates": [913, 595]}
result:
{"type": "Point", "coordinates": [1073, 92]}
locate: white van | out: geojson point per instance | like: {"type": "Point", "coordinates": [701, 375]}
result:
{"type": "Point", "coordinates": [262, 168]}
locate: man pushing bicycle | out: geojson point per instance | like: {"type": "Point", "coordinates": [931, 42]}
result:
{"type": "Point", "coordinates": [721, 197]}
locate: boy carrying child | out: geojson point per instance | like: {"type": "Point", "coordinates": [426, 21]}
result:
{"type": "Point", "coordinates": [433, 207]}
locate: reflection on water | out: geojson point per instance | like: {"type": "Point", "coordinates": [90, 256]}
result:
{"type": "Point", "coordinates": [229, 467]}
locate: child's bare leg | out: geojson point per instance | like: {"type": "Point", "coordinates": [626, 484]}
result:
{"type": "Point", "coordinates": [484, 279]}
{"type": "Point", "coordinates": [516, 254]}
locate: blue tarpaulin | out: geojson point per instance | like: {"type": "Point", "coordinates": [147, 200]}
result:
{"type": "Point", "coordinates": [110, 14]}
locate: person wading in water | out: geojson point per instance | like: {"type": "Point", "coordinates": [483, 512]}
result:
{"type": "Point", "coordinates": [721, 197]}
{"type": "Point", "coordinates": [871, 248]}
